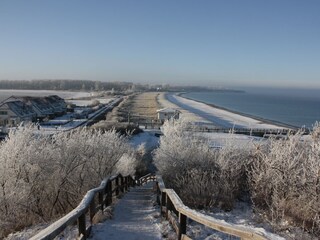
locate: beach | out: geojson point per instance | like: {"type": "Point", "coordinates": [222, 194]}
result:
{"type": "Point", "coordinates": [221, 118]}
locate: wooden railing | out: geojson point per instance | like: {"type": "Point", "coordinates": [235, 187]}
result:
{"type": "Point", "coordinates": [170, 205]}
{"type": "Point", "coordinates": [177, 214]}
{"type": "Point", "coordinates": [95, 200]}
{"type": "Point", "coordinates": [147, 178]}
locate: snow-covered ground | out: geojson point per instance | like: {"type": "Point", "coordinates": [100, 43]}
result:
{"type": "Point", "coordinates": [218, 140]}
{"type": "Point", "coordinates": [69, 121]}
{"type": "Point", "coordinates": [189, 115]}
{"type": "Point", "coordinates": [219, 117]}
{"type": "Point", "coordinates": [146, 138]}
{"type": "Point", "coordinates": [85, 103]}
{"type": "Point", "coordinates": [242, 215]}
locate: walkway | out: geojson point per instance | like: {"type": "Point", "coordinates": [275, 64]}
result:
{"type": "Point", "coordinates": [135, 217]}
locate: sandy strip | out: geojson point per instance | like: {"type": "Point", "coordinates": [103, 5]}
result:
{"type": "Point", "coordinates": [219, 117]}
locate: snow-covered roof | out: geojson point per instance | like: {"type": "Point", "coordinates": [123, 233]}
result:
{"type": "Point", "coordinates": [167, 110]}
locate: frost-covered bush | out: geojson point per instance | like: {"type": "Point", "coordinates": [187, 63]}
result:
{"type": "Point", "coordinates": [184, 160]}
{"type": "Point", "coordinates": [285, 181]}
{"type": "Point", "coordinates": [201, 175]}
{"type": "Point", "coordinates": [234, 160]}
{"type": "Point", "coordinates": [43, 177]}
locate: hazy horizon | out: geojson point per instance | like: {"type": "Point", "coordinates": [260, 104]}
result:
{"type": "Point", "coordinates": [208, 43]}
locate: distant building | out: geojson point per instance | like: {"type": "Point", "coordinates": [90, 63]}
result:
{"type": "Point", "coordinates": [45, 107]}
{"type": "Point", "coordinates": [167, 113]}
{"type": "Point", "coordinates": [13, 113]}
{"type": "Point", "coordinates": [16, 109]}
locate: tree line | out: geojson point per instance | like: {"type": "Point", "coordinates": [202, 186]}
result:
{"type": "Point", "coordinates": [85, 85]}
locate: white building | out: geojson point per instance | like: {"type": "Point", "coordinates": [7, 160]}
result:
{"type": "Point", "coordinates": [167, 113]}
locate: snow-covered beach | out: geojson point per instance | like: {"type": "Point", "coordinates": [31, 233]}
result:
{"type": "Point", "coordinates": [202, 112]}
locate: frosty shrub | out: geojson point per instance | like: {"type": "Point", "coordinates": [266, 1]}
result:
{"type": "Point", "coordinates": [201, 175]}
{"type": "Point", "coordinates": [234, 160]}
{"type": "Point", "coordinates": [285, 181]}
{"type": "Point", "coordinates": [44, 177]}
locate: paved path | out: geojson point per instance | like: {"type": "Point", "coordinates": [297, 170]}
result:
{"type": "Point", "coordinates": [134, 217]}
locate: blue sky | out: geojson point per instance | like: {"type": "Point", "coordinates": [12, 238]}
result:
{"type": "Point", "coordinates": [199, 42]}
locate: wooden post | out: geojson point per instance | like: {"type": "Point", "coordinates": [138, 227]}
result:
{"type": "Point", "coordinates": [117, 186]}
{"type": "Point", "coordinates": [100, 196]}
{"type": "Point", "coordinates": [121, 184]}
{"type": "Point", "coordinates": [158, 193]}
{"type": "Point", "coordinates": [163, 201]}
{"type": "Point", "coordinates": [182, 225]}
{"type": "Point", "coordinates": [109, 193]}
{"type": "Point", "coordinates": [92, 210]}
{"type": "Point", "coordinates": [168, 206]}
{"type": "Point", "coordinates": [134, 182]}
{"type": "Point", "coordinates": [126, 183]}
{"type": "Point", "coordinates": [82, 226]}
{"type": "Point", "coordinates": [130, 182]}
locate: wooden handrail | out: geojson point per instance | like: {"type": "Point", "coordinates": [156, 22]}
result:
{"type": "Point", "coordinates": [147, 178]}
{"type": "Point", "coordinates": [104, 192]}
{"type": "Point", "coordinates": [170, 202]}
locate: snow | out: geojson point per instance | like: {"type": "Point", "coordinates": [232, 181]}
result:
{"type": "Point", "coordinates": [218, 140]}
{"type": "Point", "coordinates": [167, 110]}
{"type": "Point", "coordinates": [85, 103]}
{"type": "Point", "coordinates": [241, 216]}
{"type": "Point", "coordinates": [135, 217]}
{"type": "Point", "coordinates": [146, 138]}
{"type": "Point", "coordinates": [68, 121]}
{"type": "Point", "coordinates": [165, 103]}
{"type": "Point", "coordinates": [219, 117]}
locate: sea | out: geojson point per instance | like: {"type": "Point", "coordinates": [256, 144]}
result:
{"type": "Point", "coordinates": [295, 107]}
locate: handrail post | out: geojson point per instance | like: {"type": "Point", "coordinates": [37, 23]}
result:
{"type": "Point", "coordinates": [82, 226]}
{"type": "Point", "coordinates": [163, 201]}
{"type": "Point", "coordinates": [100, 197]}
{"type": "Point", "coordinates": [121, 184]}
{"type": "Point", "coordinates": [117, 185]}
{"type": "Point", "coordinates": [182, 225]}
{"type": "Point", "coordinates": [168, 206]}
{"type": "Point", "coordinates": [126, 180]}
{"type": "Point", "coordinates": [109, 193]}
{"type": "Point", "coordinates": [158, 193]}
{"type": "Point", "coordinates": [137, 181]}
{"type": "Point", "coordinates": [92, 210]}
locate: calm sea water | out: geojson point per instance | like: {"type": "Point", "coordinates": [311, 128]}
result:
{"type": "Point", "coordinates": [295, 107]}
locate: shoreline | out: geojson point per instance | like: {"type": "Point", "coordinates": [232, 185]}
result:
{"type": "Point", "coordinates": [263, 120]}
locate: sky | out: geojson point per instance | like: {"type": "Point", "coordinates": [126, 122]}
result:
{"type": "Point", "coordinates": [226, 43]}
